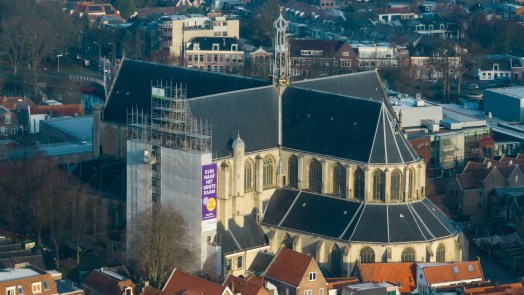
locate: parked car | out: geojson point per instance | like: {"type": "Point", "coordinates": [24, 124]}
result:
{"type": "Point", "coordinates": [473, 86]}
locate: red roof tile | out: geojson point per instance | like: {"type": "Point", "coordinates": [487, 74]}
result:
{"type": "Point", "coordinates": [515, 288]}
{"type": "Point", "coordinates": [452, 272]}
{"type": "Point", "coordinates": [256, 280]}
{"type": "Point", "coordinates": [59, 110]}
{"type": "Point", "coordinates": [151, 291]}
{"type": "Point", "coordinates": [11, 103]}
{"type": "Point", "coordinates": [181, 282]}
{"type": "Point", "coordinates": [393, 273]}
{"type": "Point", "coordinates": [239, 285]}
{"type": "Point", "coordinates": [289, 266]}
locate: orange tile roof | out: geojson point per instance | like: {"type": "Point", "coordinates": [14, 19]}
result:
{"type": "Point", "coordinates": [514, 288]}
{"type": "Point", "coordinates": [403, 272]}
{"type": "Point", "coordinates": [289, 266]}
{"type": "Point", "coordinates": [446, 273]}
{"type": "Point", "coordinates": [151, 291]}
{"type": "Point", "coordinates": [239, 285]}
{"type": "Point", "coordinates": [339, 283]}
{"type": "Point", "coordinates": [59, 110]}
{"type": "Point", "coordinates": [181, 282]}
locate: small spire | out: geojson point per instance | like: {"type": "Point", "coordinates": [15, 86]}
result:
{"type": "Point", "coordinates": [238, 143]}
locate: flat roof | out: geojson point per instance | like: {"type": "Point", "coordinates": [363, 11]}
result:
{"type": "Point", "coordinates": [456, 113]}
{"type": "Point", "coordinates": [9, 274]}
{"type": "Point", "coordinates": [62, 149]}
{"type": "Point", "coordinates": [79, 127]}
{"type": "Point", "coordinates": [516, 92]}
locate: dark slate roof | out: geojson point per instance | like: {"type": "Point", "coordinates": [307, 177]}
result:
{"type": "Point", "coordinates": [261, 262]}
{"type": "Point", "coordinates": [328, 47]}
{"type": "Point", "coordinates": [132, 88]}
{"type": "Point", "coordinates": [353, 107]}
{"type": "Point", "coordinates": [224, 43]}
{"type": "Point", "coordinates": [252, 114]}
{"type": "Point", "coordinates": [308, 114]}
{"type": "Point", "coordinates": [352, 221]}
{"type": "Point", "coordinates": [237, 238]}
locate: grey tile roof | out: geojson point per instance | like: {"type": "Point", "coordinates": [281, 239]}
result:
{"type": "Point", "coordinates": [261, 262]}
{"type": "Point", "coordinates": [352, 221]}
{"type": "Point", "coordinates": [238, 238]}
{"type": "Point", "coordinates": [224, 43]}
{"type": "Point", "coordinates": [347, 116]}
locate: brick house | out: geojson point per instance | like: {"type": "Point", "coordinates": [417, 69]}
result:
{"type": "Point", "coordinates": [8, 123]}
{"type": "Point", "coordinates": [27, 281]}
{"type": "Point", "coordinates": [294, 273]}
{"type": "Point", "coordinates": [215, 54]}
{"type": "Point", "coordinates": [104, 282]}
{"type": "Point", "coordinates": [321, 58]}
{"type": "Point", "coordinates": [468, 194]}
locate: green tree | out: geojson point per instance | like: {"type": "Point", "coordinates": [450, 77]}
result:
{"type": "Point", "coordinates": [126, 7]}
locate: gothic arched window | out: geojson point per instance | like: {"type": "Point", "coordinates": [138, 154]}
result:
{"type": "Point", "coordinates": [268, 169]}
{"type": "Point", "coordinates": [367, 255]}
{"type": "Point", "coordinates": [358, 185]}
{"type": "Point", "coordinates": [396, 178]}
{"type": "Point", "coordinates": [379, 185]}
{"type": "Point", "coordinates": [293, 171]}
{"type": "Point", "coordinates": [287, 241]}
{"type": "Point", "coordinates": [339, 180]}
{"type": "Point", "coordinates": [408, 255]}
{"type": "Point", "coordinates": [248, 175]}
{"type": "Point", "coordinates": [411, 183]}
{"type": "Point", "coordinates": [441, 253]}
{"type": "Point", "coordinates": [335, 261]}
{"type": "Point", "coordinates": [315, 176]}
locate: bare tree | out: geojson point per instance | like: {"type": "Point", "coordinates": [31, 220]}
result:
{"type": "Point", "coordinates": [158, 243]}
{"type": "Point", "coordinates": [12, 43]}
{"type": "Point", "coordinates": [83, 210]}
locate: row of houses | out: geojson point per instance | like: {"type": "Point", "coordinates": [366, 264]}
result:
{"type": "Point", "coordinates": [287, 272]}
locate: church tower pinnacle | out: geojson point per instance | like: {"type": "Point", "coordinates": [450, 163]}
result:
{"type": "Point", "coordinates": [281, 57]}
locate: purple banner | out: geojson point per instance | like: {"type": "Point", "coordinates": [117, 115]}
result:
{"type": "Point", "coordinates": [209, 191]}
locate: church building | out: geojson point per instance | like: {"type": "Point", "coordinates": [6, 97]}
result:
{"type": "Point", "coordinates": [320, 166]}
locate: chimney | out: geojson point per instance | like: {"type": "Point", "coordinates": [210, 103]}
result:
{"type": "Point", "coordinates": [510, 162]}
{"type": "Point", "coordinates": [488, 164]}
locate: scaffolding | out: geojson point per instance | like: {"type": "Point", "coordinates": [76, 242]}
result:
{"type": "Point", "coordinates": [170, 122]}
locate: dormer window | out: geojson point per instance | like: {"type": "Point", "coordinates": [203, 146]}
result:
{"type": "Point", "coordinates": [495, 68]}
{"type": "Point", "coordinates": [196, 46]}
{"type": "Point", "coordinates": [128, 291]}
{"type": "Point", "coordinates": [36, 287]}
{"type": "Point", "coordinates": [234, 47]}
{"type": "Point", "coordinates": [215, 47]}
{"type": "Point", "coordinates": [8, 119]}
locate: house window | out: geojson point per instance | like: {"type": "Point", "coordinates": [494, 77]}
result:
{"type": "Point", "coordinates": [321, 291]}
{"type": "Point", "coordinates": [268, 165]}
{"type": "Point", "coordinates": [227, 57]}
{"type": "Point", "coordinates": [14, 130]}
{"type": "Point", "coordinates": [248, 175]}
{"type": "Point", "coordinates": [339, 180]}
{"type": "Point", "coordinates": [129, 291]}
{"type": "Point", "coordinates": [10, 290]}
{"type": "Point", "coordinates": [196, 46]}
{"type": "Point", "coordinates": [308, 292]}
{"type": "Point", "coordinates": [408, 255]}
{"type": "Point", "coordinates": [8, 119]}
{"type": "Point", "coordinates": [312, 276]}
{"type": "Point", "coordinates": [359, 184]}
{"type": "Point", "coordinates": [3, 131]}
{"type": "Point", "coordinates": [315, 176]}
{"type": "Point", "coordinates": [189, 57]}
{"type": "Point", "coordinates": [240, 262]}
{"type": "Point", "coordinates": [20, 289]}
{"type": "Point", "coordinates": [293, 171]}
{"type": "Point", "coordinates": [441, 253]}
{"type": "Point", "coordinates": [367, 255]}
{"type": "Point", "coordinates": [215, 46]}
{"type": "Point", "coordinates": [46, 285]}
{"type": "Point", "coordinates": [395, 185]}
{"type": "Point", "coordinates": [36, 287]}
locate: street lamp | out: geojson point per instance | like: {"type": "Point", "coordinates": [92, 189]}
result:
{"type": "Point", "coordinates": [99, 55]}
{"type": "Point", "coordinates": [58, 57]}
{"type": "Point", "coordinates": [114, 53]}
